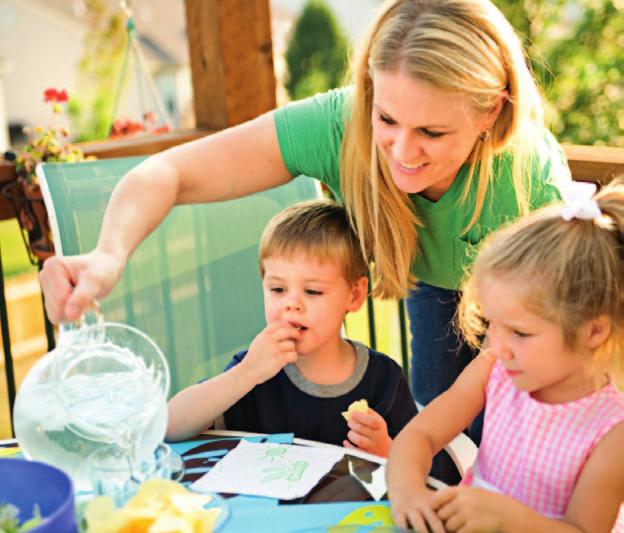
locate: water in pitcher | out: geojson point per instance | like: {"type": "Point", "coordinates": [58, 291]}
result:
{"type": "Point", "coordinates": [108, 395]}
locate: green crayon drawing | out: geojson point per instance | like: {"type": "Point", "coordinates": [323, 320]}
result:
{"type": "Point", "coordinates": [273, 452]}
{"type": "Point", "coordinates": [290, 472]}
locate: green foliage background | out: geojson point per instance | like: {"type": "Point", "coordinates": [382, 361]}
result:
{"type": "Point", "coordinates": [317, 52]}
{"type": "Point", "coordinates": [577, 53]}
{"type": "Point", "coordinates": [99, 68]}
{"type": "Point", "coordinates": [576, 50]}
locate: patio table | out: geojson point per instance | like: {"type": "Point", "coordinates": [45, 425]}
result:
{"type": "Point", "coordinates": [340, 497]}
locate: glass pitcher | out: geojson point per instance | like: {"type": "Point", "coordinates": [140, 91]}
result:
{"type": "Point", "coordinates": [105, 383]}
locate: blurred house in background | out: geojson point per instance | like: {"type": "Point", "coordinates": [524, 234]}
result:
{"type": "Point", "coordinates": [41, 42]}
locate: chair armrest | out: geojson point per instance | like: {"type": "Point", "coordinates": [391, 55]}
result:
{"type": "Point", "coordinates": [461, 449]}
{"type": "Point", "coordinates": [463, 452]}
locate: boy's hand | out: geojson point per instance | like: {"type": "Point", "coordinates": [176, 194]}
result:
{"type": "Point", "coordinates": [471, 509]}
{"type": "Point", "coordinates": [369, 433]}
{"type": "Point", "coordinates": [412, 508]}
{"type": "Point", "coordinates": [272, 349]}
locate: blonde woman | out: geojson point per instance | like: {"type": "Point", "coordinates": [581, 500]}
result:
{"type": "Point", "coordinates": [437, 142]}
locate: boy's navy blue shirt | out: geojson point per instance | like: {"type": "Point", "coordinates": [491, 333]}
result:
{"type": "Point", "coordinates": [288, 403]}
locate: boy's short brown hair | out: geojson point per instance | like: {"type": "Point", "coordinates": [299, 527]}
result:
{"type": "Point", "coordinates": [318, 228]}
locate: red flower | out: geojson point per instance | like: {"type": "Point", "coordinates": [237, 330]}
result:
{"type": "Point", "coordinates": [55, 95]}
{"type": "Point", "coordinates": [49, 95]}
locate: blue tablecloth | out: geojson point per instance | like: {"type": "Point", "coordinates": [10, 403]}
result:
{"type": "Point", "coordinates": [249, 513]}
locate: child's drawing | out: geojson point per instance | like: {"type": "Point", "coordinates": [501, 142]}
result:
{"type": "Point", "coordinates": [290, 472]}
{"type": "Point", "coordinates": [294, 471]}
{"type": "Point", "coordinates": [273, 452]}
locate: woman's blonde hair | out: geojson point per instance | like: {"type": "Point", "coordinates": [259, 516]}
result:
{"type": "Point", "coordinates": [465, 47]}
{"type": "Point", "coordinates": [318, 229]}
{"type": "Point", "coordinates": [568, 272]}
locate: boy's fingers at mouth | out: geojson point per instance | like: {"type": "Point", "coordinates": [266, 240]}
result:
{"type": "Point", "coordinates": [286, 331]}
{"type": "Point", "coordinates": [298, 326]}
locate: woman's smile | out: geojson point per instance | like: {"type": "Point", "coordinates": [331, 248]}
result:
{"type": "Point", "coordinates": [410, 169]}
{"type": "Point", "coordinates": [424, 134]}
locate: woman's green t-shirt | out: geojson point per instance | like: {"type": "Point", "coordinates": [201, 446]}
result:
{"type": "Point", "coordinates": [310, 132]}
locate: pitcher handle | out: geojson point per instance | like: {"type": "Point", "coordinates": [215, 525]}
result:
{"type": "Point", "coordinates": [91, 322]}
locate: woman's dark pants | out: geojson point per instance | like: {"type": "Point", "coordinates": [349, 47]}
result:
{"type": "Point", "coordinates": [438, 357]}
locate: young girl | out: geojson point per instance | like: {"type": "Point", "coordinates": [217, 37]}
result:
{"type": "Point", "coordinates": [546, 295]}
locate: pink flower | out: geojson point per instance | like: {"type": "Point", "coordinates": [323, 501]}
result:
{"type": "Point", "coordinates": [125, 126]}
{"type": "Point", "coordinates": [150, 117]}
{"type": "Point", "coordinates": [165, 128]}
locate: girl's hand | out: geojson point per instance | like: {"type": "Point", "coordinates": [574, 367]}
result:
{"type": "Point", "coordinates": [412, 508]}
{"type": "Point", "coordinates": [272, 349]}
{"type": "Point", "coordinates": [369, 433]}
{"type": "Point", "coordinates": [471, 509]}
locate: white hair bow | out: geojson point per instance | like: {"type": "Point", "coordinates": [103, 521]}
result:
{"type": "Point", "coordinates": [578, 201]}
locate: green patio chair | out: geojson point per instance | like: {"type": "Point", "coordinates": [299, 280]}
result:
{"type": "Point", "coordinates": [194, 284]}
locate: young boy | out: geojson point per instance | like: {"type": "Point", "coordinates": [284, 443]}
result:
{"type": "Point", "coordinates": [299, 374]}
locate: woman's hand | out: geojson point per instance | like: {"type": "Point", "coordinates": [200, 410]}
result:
{"type": "Point", "coordinates": [471, 509]}
{"type": "Point", "coordinates": [412, 508]}
{"type": "Point", "coordinates": [369, 433]}
{"type": "Point", "coordinates": [71, 284]}
{"type": "Point", "coordinates": [272, 349]}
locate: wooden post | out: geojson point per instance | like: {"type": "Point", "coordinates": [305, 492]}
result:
{"type": "Point", "coordinates": [231, 60]}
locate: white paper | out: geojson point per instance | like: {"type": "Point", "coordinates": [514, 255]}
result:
{"type": "Point", "coordinates": [281, 471]}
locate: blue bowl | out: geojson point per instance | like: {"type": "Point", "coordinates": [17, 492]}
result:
{"type": "Point", "coordinates": [26, 483]}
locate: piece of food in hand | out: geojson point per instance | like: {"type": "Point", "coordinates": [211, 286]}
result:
{"type": "Point", "coordinates": [159, 506]}
{"type": "Point", "coordinates": [361, 406]}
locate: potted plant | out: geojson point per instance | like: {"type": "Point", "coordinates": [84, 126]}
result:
{"type": "Point", "coordinates": [50, 145]}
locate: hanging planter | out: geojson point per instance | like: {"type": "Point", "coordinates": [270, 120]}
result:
{"type": "Point", "coordinates": [150, 121]}
{"type": "Point", "coordinates": [49, 145]}
{"type": "Point", "coordinates": [32, 217]}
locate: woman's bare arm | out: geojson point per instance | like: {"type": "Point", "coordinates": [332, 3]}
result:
{"type": "Point", "coordinates": [229, 164]}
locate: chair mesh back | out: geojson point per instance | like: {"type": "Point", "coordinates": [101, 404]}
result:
{"type": "Point", "coordinates": [193, 285]}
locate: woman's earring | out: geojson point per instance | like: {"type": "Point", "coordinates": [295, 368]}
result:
{"type": "Point", "coordinates": [485, 135]}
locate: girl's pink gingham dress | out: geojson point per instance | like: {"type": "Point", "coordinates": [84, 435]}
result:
{"type": "Point", "coordinates": [535, 451]}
